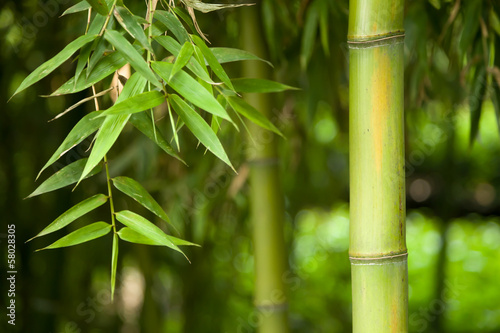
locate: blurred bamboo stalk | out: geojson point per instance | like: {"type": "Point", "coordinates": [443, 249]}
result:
{"type": "Point", "coordinates": [266, 198]}
{"type": "Point", "coordinates": [377, 177]}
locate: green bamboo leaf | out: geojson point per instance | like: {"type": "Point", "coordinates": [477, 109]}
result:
{"type": "Point", "coordinates": [64, 177]}
{"type": "Point", "coordinates": [181, 12]}
{"type": "Point", "coordinates": [209, 7]}
{"type": "Point", "coordinates": [83, 59]}
{"type": "Point", "coordinates": [73, 213]}
{"type": "Point", "coordinates": [47, 67]}
{"type": "Point", "coordinates": [114, 265]}
{"type": "Point", "coordinates": [131, 55]}
{"type": "Point", "coordinates": [199, 128]}
{"type": "Point", "coordinates": [189, 88]}
{"type": "Point", "coordinates": [132, 236]}
{"type": "Point", "coordinates": [174, 129]}
{"type": "Point", "coordinates": [107, 66]}
{"type": "Point", "coordinates": [113, 125]}
{"type": "Point", "coordinates": [472, 13]}
{"type": "Point", "coordinates": [105, 138]}
{"type": "Point", "coordinates": [225, 54]}
{"type": "Point", "coordinates": [198, 55]}
{"type": "Point", "coordinates": [212, 61]}
{"type": "Point", "coordinates": [323, 26]}
{"type": "Point", "coordinates": [249, 85]}
{"type": "Point", "coordinates": [97, 24]}
{"type": "Point", "coordinates": [137, 192]}
{"type": "Point", "coordinates": [97, 55]}
{"type": "Point", "coordinates": [134, 104]}
{"type": "Point", "coordinates": [82, 235]}
{"type": "Point", "coordinates": [79, 7]}
{"type": "Point", "coordinates": [86, 126]}
{"type": "Point", "coordinates": [252, 114]}
{"type": "Point", "coordinates": [143, 123]}
{"type": "Point", "coordinates": [172, 46]}
{"type": "Point", "coordinates": [173, 24]}
{"type": "Point", "coordinates": [99, 6]}
{"type": "Point", "coordinates": [182, 58]}
{"type": "Point", "coordinates": [309, 36]}
{"type": "Point", "coordinates": [146, 228]}
{"type": "Point", "coordinates": [128, 21]}
{"type": "Point", "coordinates": [476, 101]}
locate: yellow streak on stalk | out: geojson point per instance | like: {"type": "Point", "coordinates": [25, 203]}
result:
{"type": "Point", "coordinates": [380, 103]}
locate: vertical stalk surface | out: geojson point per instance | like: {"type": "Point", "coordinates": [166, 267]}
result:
{"type": "Point", "coordinates": [266, 198]}
{"type": "Point", "coordinates": [377, 181]}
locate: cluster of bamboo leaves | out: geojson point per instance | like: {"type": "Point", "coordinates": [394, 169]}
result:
{"type": "Point", "coordinates": [190, 81]}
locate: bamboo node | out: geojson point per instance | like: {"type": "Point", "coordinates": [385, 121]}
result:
{"type": "Point", "coordinates": [272, 307]}
{"type": "Point", "coordinates": [405, 254]}
{"type": "Point", "coordinates": [376, 42]}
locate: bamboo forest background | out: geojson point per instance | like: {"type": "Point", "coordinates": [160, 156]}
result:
{"type": "Point", "coordinates": [453, 182]}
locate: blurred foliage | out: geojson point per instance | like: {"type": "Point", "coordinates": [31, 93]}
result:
{"type": "Point", "coordinates": [452, 147]}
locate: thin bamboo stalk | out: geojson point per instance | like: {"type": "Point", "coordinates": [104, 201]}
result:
{"type": "Point", "coordinates": [377, 181]}
{"type": "Point", "coordinates": [266, 197]}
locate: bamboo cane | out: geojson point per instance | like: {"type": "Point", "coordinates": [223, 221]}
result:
{"type": "Point", "coordinates": [266, 198]}
{"type": "Point", "coordinates": [377, 181]}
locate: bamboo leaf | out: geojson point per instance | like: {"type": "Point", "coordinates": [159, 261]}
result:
{"type": "Point", "coordinates": [141, 225]}
{"type": "Point", "coordinates": [472, 13]}
{"type": "Point", "coordinates": [47, 67]}
{"type": "Point", "coordinates": [131, 55]}
{"type": "Point", "coordinates": [212, 61]}
{"type": "Point", "coordinates": [129, 235]}
{"type": "Point", "coordinates": [199, 128]}
{"type": "Point", "coordinates": [209, 7]}
{"type": "Point", "coordinates": [172, 46]}
{"type": "Point", "coordinates": [107, 66]}
{"type": "Point", "coordinates": [64, 177]}
{"type": "Point", "coordinates": [225, 54]}
{"type": "Point", "coordinates": [95, 28]}
{"type": "Point", "coordinates": [99, 6]}
{"type": "Point", "coordinates": [309, 36]}
{"type": "Point", "coordinates": [476, 101]}
{"type": "Point", "coordinates": [86, 126]}
{"type": "Point", "coordinates": [73, 213]}
{"type": "Point", "coordinates": [77, 104]}
{"type": "Point", "coordinates": [79, 7]}
{"type": "Point", "coordinates": [128, 21]}
{"type": "Point", "coordinates": [83, 59]}
{"type": "Point", "coordinates": [173, 24]}
{"type": "Point", "coordinates": [249, 85]}
{"type": "Point", "coordinates": [114, 265]}
{"type": "Point", "coordinates": [137, 192]}
{"type": "Point", "coordinates": [323, 27]}
{"type": "Point", "coordinates": [113, 125]}
{"type": "Point", "coordinates": [189, 88]}
{"type": "Point", "coordinates": [174, 129]}
{"type": "Point", "coordinates": [182, 58]}
{"type": "Point", "coordinates": [97, 55]}
{"type": "Point", "coordinates": [185, 17]}
{"type": "Point", "coordinates": [252, 114]}
{"type": "Point", "coordinates": [105, 138]}
{"type": "Point", "coordinates": [82, 235]}
{"type": "Point", "coordinates": [134, 104]}
{"type": "Point", "coordinates": [143, 123]}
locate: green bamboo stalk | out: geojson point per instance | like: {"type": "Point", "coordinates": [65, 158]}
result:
{"type": "Point", "coordinates": [266, 198]}
{"type": "Point", "coordinates": [377, 180]}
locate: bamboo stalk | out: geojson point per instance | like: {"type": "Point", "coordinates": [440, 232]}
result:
{"type": "Point", "coordinates": [266, 198]}
{"type": "Point", "coordinates": [377, 181]}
